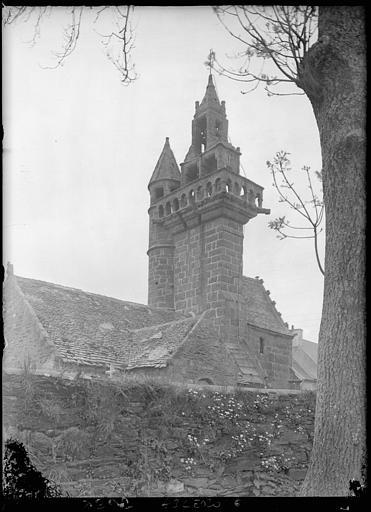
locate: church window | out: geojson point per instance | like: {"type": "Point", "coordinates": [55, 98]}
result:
{"type": "Point", "coordinates": [200, 193]}
{"type": "Point", "coordinates": [261, 345]}
{"type": "Point", "coordinates": [160, 211]}
{"type": "Point", "coordinates": [168, 208]}
{"type": "Point", "coordinates": [237, 188]}
{"type": "Point", "coordinates": [218, 125]}
{"type": "Point", "coordinates": [183, 201]}
{"type": "Point", "coordinates": [201, 135]}
{"type": "Point", "coordinates": [191, 196]}
{"type": "Point", "coordinates": [209, 189]}
{"type": "Point", "coordinates": [217, 185]}
{"type": "Point", "coordinates": [176, 204]}
{"type": "Point", "coordinates": [229, 186]}
{"type": "Point", "coordinates": [243, 192]}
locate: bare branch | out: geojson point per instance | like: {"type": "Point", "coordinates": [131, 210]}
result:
{"type": "Point", "coordinates": [118, 43]}
{"type": "Point", "coordinates": [280, 166]}
{"type": "Point", "coordinates": [281, 34]}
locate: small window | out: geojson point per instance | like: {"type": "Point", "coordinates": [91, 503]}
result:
{"type": "Point", "coordinates": [261, 345]}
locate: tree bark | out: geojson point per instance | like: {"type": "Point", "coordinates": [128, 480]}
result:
{"type": "Point", "coordinates": [334, 78]}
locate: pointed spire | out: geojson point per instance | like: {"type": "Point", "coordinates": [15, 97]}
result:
{"type": "Point", "coordinates": [166, 167]}
{"type": "Point", "coordinates": [211, 98]}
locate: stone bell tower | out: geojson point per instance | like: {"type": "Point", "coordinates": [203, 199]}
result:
{"type": "Point", "coordinates": [197, 217]}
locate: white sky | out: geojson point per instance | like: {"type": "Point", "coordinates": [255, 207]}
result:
{"type": "Point", "coordinates": [80, 148]}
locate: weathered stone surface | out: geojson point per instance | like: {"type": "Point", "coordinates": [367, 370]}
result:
{"type": "Point", "coordinates": [123, 459]}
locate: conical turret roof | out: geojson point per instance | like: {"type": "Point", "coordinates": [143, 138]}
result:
{"type": "Point", "coordinates": [166, 167]}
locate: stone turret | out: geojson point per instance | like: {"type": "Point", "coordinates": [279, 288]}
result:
{"type": "Point", "coordinates": [199, 224]}
{"type": "Point", "coordinates": [165, 179]}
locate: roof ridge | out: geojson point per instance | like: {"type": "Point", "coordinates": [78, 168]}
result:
{"type": "Point", "coordinates": [57, 285]}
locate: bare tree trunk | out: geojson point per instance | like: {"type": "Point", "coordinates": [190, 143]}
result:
{"type": "Point", "coordinates": [334, 78]}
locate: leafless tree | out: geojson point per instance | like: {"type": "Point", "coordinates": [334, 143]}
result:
{"type": "Point", "coordinates": [311, 210]}
{"type": "Point", "coordinates": [273, 37]}
{"type": "Point", "coordinates": [118, 42]}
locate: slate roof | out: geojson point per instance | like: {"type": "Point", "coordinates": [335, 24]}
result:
{"type": "Point", "coordinates": [305, 366]}
{"type": "Point", "coordinates": [260, 309]}
{"type": "Point", "coordinates": [88, 328]}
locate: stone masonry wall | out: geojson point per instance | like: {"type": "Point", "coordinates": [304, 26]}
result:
{"type": "Point", "coordinates": [277, 356]}
{"type": "Point", "coordinates": [160, 266]}
{"type": "Point", "coordinates": [148, 439]}
{"type": "Point", "coordinates": [207, 262]}
{"type": "Point", "coordinates": [205, 357]}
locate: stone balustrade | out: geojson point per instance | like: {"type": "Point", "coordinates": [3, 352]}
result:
{"type": "Point", "coordinates": [208, 186]}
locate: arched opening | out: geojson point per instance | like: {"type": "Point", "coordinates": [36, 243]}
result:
{"type": "Point", "coordinates": [251, 196]}
{"type": "Point", "coordinates": [191, 196]}
{"type": "Point", "coordinates": [183, 201]}
{"type": "Point", "coordinates": [243, 192]}
{"type": "Point", "coordinates": [168, 209]}
{"type": "Point", "coordinates": [237, 188]}
{"type": "Point", "coordinates": [258, 200]}
{"type": "Point", "coordinates": [217, 185]}
{"type": "Point", "coordinates": [176, 204]}
{"type": "Point", "coordinates": [206, 380]}
{"type": "Point", "coordinates": [261, 345]}
{"type": "Point", "coordinates": [228, 186]}
{"type": "Point", "coordinates": [218, 126]}
{"type": "Point", "coordinates": [200, 193]}
{"type": "Point", "coordinates": [160, 211]}
{"type": "Point", "coordinates": [209, 189]}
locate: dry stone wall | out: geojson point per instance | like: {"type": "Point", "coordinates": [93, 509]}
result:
{"type": "Point", "coordinates": [151, 439]}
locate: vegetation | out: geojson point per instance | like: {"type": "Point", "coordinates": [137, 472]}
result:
{"type": "Point", "coordinates": [145, 432]}
{"type": "Point", "coordinates": [21, 479]}
{"type": "Point", "coordinates": [331, 70]}
{"type": "Point", "coordinates": [311, 210]}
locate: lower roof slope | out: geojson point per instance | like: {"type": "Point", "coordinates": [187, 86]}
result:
{"type": "Point", "coordinates": [88, 328]}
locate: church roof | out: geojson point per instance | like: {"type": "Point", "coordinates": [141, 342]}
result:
{"type": "Point", "coordinates": [166, 167]}
{"type": "Point", "coordinates": [88, 328]}
{"type": "Point", "coordinates": [260, 309]}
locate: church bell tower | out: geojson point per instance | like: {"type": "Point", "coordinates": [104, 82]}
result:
{"type": "Point", "coordinates": [197, 217]}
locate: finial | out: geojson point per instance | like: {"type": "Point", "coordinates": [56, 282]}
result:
{"type": "Point", "coordinates": [210, 63]}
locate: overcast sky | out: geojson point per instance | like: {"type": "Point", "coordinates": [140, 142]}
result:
{"type": "Point", "coordinates": [80, 149]}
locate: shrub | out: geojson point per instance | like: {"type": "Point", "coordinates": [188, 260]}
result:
{"type": "Point", "coordinates": [20, 478]}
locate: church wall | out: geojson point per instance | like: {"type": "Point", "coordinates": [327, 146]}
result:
{"type": "Point", "coordinates": [276, 358]}
{"type": "Point", "coordinates": [204, 358]}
